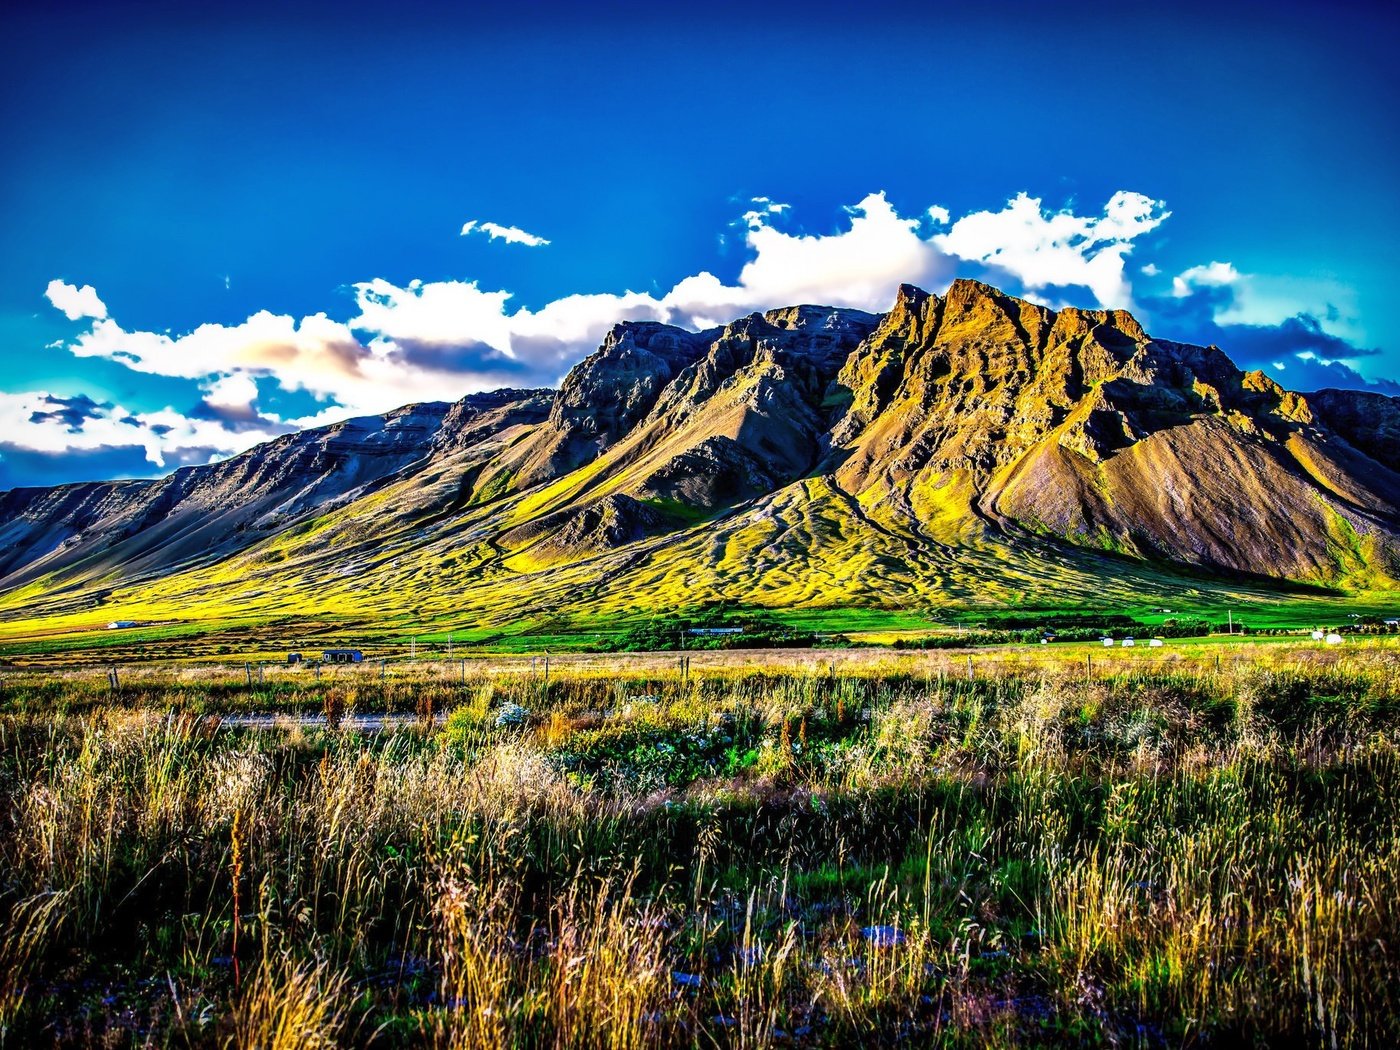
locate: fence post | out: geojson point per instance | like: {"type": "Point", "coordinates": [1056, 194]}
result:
{"type": "Point", "coordinates": [464, 672]}
{"type": "Point", "coordinates": [969, 667]}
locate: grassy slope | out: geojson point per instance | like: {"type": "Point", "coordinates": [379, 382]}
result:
{"type": "Point", "coordinates": [379, 571]}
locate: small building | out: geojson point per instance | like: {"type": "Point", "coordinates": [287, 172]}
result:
{"type": "Point", "coordinates": [293, 658]}
{"type": "Point", "coordinates": [1392, 623]}
{"type": "Point", "coordinates": [715, 630]}
{"type": "Point", "coordinates": [120, 625]}
{"type": "Point", "coordinates": [1317, 636]}
{"type": "Point", "coordinates": [342, 656]}
{"type": "Point", "coordinates": [1334, 639]}
{"type": "Point", "coordinates": [1156, 643]}
{"type": "Point", "coordinates": [1107, 643]}
{"type": "Point", "coordinates": [1128, 643]}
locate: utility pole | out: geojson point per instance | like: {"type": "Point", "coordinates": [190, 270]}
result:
{"type": "Point", "coordinates": [1230, 619]}
{"type": "Point", "coordinates": [413, 648]}
{"type": "Point", "coordinates": [449, 646]}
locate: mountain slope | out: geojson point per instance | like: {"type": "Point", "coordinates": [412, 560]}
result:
{"type": "Point", "coordinates": [971, 447]}
{"type": "Point", "coordinates": [74, 534]}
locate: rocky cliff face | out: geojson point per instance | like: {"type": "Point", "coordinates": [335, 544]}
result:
{"type": "Point", "coordinates": [978, 411]}
{"type": "Point", "coordinates": [969, 422]}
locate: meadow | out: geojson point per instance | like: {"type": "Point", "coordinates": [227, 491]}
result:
{"type": "Point", "coordinates": [1197, 845]}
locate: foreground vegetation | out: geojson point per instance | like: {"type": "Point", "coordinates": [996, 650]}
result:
{"type": "Point", "coordinates": [909, 851]}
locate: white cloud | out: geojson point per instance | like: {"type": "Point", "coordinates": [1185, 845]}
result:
{"type": "Point", "coordinates": [939, 214]}
{"type": "Point", "coordinates": [443, 339]}
{"type": "Point", "coordinates": [766, 206]}
{"type": "Point", "coordinates": [235, 393]}
{"type": "Point", "coordinates": [37, 421]}
{"type": "Point", "coordinates": [859, 267]}
{"type": "Point", "coordinates": [1265, 299]}
{"type": "Point", "coordinates": [509, 234]}
{"type": "Point", "coordinates": [1211, 275]}
{"type": "Point", "coordinates": [75, 302]}
{"type": "Point", "coordinates": [1151, 270]}
{"type": "Point", "coordinates": [1056, 249]}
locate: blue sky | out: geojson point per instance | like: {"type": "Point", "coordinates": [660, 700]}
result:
{"type": "Point", "coordinates": [223, 224]}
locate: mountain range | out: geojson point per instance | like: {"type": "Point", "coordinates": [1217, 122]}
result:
{"type": "Point", "coordinates": [966, 448]}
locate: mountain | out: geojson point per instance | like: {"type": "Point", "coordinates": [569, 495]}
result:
{"type": "Point", "coordinates": [971, 447]}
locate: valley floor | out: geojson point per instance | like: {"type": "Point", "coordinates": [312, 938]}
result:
{"type": "Point", "coordinates": [1014, 846]}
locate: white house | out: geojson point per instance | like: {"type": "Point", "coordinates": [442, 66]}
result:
{"type": "Point", "coordinates": [1156, 643]}
{"type": "Point", "coordinates": [117, 625]}
{"type": "Point", "coordinates": [1317, 636]}
{"type": "Point", "coordinates": [1128, 643]}
{"type": "Point", "coordinates": [1334, 639]}
{"type": "Point", "coordinates": [1108, 643]}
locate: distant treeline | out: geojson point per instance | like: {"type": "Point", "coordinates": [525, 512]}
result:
{"type": "Point", "coordinates": [1066, 628]}
{"type": "Point", "coordinates": [752, 630]}
{"type": "Point", "coordinates": [759, 630]}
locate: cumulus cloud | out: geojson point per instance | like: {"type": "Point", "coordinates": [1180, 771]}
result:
{"type": "Point", "coordinates": [762, 208]}
{"type": "Point", "coordinates": [1211, 275]}
{"type": "Point", "coordinates": [509, 234]}
{"type": "Point", "coordinates": [233, 393]}
{"type": "Point", "coordinates": [443, 339]}
{"type": "Point", "coordinates": [440, 340]}
{"type": "Point", "coordinates": [433, 340]}
{"type": "Point", "coordinates": [1044, 249]}
{"type": "Point", "coordinates": [45, 423]}
{"type": "Point", "coordinates": [1298, 351]}
{"type": "Point", "coordinates": [76, 303]}
{"type": "Point", "coordinates": [1266, 299]}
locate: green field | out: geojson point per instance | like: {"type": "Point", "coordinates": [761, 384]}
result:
{"type": "Point", "coordinates": [260, 638]}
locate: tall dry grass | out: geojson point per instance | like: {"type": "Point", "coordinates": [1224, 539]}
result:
{"type": "Point", "coordinates": [804, 858]}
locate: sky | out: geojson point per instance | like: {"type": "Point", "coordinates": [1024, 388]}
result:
{"type": "Point", "coordinates": [221, 223]}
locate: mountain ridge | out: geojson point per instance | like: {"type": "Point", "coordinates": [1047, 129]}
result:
{"type": "Point", "coordinates": [938, 451]}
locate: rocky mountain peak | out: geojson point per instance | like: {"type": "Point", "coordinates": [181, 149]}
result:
{"type": "Point", "coordinates": [972, 424]}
